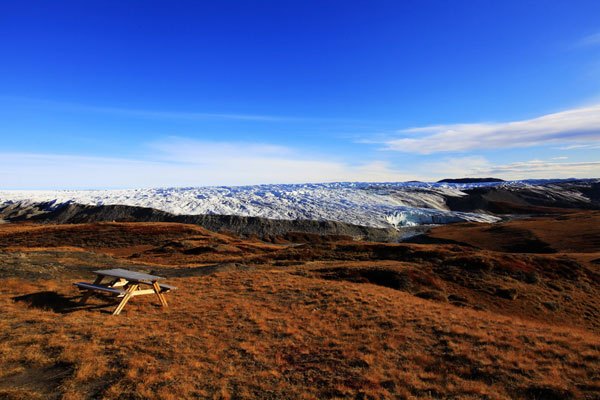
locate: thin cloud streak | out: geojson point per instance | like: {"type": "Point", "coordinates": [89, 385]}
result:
{"type": "Point", "coordinates": [158, 114]}
{"type": "Point", "coordinates": [183, 115]}
{"type": "Point", "coordinates": [576, 125]}
{"type": "Point", "coordinates": [591, 40]}
{"type": "Point", "coordinates": [181, 149]}
{"type": "Point", "coordinates": [580, 146]}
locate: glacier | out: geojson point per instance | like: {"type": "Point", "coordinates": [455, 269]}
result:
{"type": "Point", "coordinates": [381, 205]}
{"type": "Point", "coordinates": [422, 216]}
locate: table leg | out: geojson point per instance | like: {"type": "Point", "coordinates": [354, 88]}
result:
{"type": "Point", "coordinates": [118, 283]}
{"type": "Point", "coordinates": [89, 292]}
{"type": "Point", "coordinates": [161, 297]}
{"type": "Point", "coordinates": [125, 299]}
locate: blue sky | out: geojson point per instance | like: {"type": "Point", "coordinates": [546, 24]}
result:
{"type": "Point", "coordinates": [119, 94]}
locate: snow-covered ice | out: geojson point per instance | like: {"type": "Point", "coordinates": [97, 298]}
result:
{"type": "Point", "coordinates": [368, 204]}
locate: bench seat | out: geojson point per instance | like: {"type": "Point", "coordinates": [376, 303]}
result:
{"type": "Point", "coordinates": [166, 288]}
{"type": "Point", "coordinates": [91, 286]}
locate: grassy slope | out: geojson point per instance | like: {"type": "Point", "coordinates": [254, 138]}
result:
{"type": "Point", "coordinates": [571, 233]}
{"type": "Point", "coordinates": [326, 319]}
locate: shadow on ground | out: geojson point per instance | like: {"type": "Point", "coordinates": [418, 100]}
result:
{"type": "Point", "coordinates": [55, 302]}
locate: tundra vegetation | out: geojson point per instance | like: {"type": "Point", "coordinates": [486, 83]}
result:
{"type": "Point", "coordinates": [473, 311]}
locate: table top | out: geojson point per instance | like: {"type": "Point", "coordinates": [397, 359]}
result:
{"type": "Point", "coordinates": [129, 275]}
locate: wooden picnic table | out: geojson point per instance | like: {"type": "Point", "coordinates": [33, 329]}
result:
{"type": "Point", "coordinates": [126, 284]}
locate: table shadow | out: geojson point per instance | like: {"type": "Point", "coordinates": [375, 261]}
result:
{"type": "Point", "coordinates": [56, 302]}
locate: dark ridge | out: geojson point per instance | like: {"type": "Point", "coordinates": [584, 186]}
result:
{"type": "Point", "coordinates": [470, 180]}
{"type": "Point", "coordinates": [544, 199]}
{"type": "Point", "coordinates": [593, 192]}
{"type": "Point", "coordinates": [244, 226]}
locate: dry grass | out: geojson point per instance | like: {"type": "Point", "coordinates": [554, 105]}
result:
{"type": "Point", "coordinates": [333, 319]}
{"type": "Point", "coordinates": [571, 233]}
{"type": "Point", "coordinates": [271, 334]}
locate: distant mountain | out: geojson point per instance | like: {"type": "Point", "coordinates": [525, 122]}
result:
{"type": "Point", "coordinates": [471, 180]}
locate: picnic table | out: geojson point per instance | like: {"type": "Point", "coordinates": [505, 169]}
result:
{"type": "Point", "coordinates": [125, 284]}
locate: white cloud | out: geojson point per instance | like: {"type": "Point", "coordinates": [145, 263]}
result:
{"type": "Point", "coordinates": [183, 162]}
{"type": "Point", "coordinates": [560, 158]}
{"type": "Point", "coordinates": [576, 125]}
{"type": "Point", "coordinates": [545, 169]}
{"type": "Point", "coordinates": [533, 169]}
{"type": "Point", "coordinates": [205, 164]}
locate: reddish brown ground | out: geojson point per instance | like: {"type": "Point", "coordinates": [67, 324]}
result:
{"type": "Point", "coordinates": [578, 232]}
{"type": "Point", "coordinates": [304, 316]}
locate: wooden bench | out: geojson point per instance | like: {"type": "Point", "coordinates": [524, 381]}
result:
{"type": "Point", "coordinates": [166, 288]}
{"type": "Point", "coordinates": [91, 286]}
